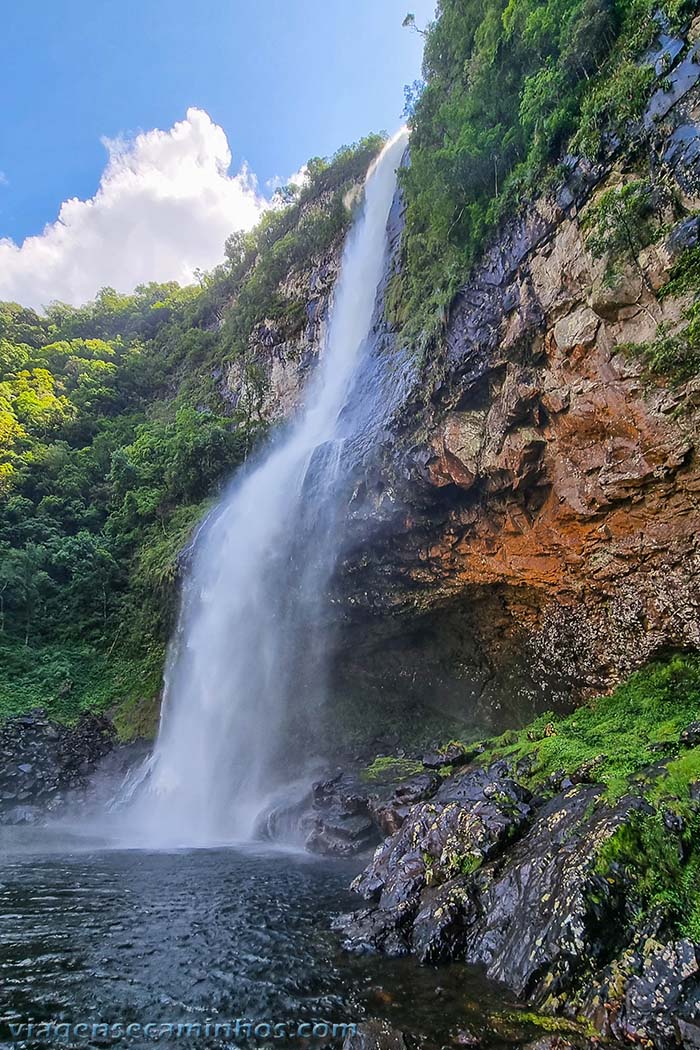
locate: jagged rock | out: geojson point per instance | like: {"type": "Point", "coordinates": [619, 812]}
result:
{"type": "Point", "coordinates": [463, 1037]}
{"type": "Point", "coordinates": [585, 774]}
{"type": "Point", "coordinates": [612, 294]}
{"type": "Point", "coordinates": [374, 1035]}
{"type": "Point", "coordinates": [283, 361]}
{"type": "Point", "coordinates": [689, 1034]}
{"type": "Point", "coordinates": [668, 983]}
{"type": "Point", "coordinates": [390, 813]}
{"type": "Point", "coordinates": [578, 328]}
{"type": "Point", "coordinates": [452, 755]}
{"type": "Point", "coordinates": [42, 762]}
{"type": "Point", "coordinates": [537, 495]}
{"type": "Point", "coordinates": [462, 441]}
{"type": "Point", "coordinates": [683, 236]}
{"type": "Point", "coordinates": [690, 737]}
{"type": "Point", "coordinates": [340, 822]}
{"type": "Point", "coordinates": [465, 822]}
{"type": "Point", "coordinates": [483, 873]}
{"type": "Point", "coordinates": [649, 994]}
{"type": "Point", "coordinates": [440, 925]}
{"type": "Point", "coordinates": [376, 930]}
{"type": "Point", "coordinates": [541, 909]}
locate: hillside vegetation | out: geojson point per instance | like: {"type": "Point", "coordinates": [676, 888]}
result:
{"type": "Point", "coordinates": [509, 87]}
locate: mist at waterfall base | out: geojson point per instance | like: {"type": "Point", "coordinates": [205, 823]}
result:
{"type": "Point", "coordinates": [247, 667]}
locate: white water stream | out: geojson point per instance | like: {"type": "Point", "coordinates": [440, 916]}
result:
{"type": "Point", "coordinates": [247, 666]}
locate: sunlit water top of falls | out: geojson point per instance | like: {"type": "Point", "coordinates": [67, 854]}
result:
{"type": "Point", "coordinates": [247, 669]}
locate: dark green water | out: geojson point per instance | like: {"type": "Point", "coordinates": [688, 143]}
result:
{"type": "Point", "coordinates": [206, 935]}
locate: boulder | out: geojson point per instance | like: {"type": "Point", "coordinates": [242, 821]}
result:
{"type": "Point", "coordinates": [467, 821]}
{"type": "Point", "coordinates": [390, 813]}
{"type": "Point", "coordinates": [543, 911]}
{"type": "Point", "coordinates": [440, 925]}
{"type": "Point", "coordinates": [690, 737]}
{"type": "Point", "coordinates": [374, 1035]}
{"type": "Point", "coordinates": [452, 755]}
{"type": "Point", "coordinates": [340, 823]}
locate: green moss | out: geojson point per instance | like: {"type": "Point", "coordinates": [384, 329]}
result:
{"type": "Point", "coordinates": [388, 768]}
{"type": "Point", "coordinates": [672, 787]}
{"type": "Point", "coordinates": [468, 863]}
{"type": "Point", "coordinates": [661, 869]}
{"type": "Point", "coordinates": [548, 1024]}
{"type": "Point", "coordinates": [137, 717]}
{"type": "Point", "coordinates": [513, 1026]}
{"type": "Point", "coordinates": [650, 708]}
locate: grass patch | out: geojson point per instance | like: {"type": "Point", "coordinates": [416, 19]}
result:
{"type": "Point", "coordinates": [651, 708]}
{"type": "Point", "coordinates": [387, 768]}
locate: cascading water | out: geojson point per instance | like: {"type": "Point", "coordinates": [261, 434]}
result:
{"type": "Point", "coordinates": [246, 669]}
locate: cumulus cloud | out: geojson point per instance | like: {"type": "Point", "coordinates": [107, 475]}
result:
{"type": "Point", "coordinates": [3, 179]}
{"type": "Point", "coordinates": [164, 207]}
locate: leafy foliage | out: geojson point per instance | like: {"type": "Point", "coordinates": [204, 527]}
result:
{"type": "Point", "coordinates": [623, 222]}
{"type": "Point", "coordinates": [509, 85]}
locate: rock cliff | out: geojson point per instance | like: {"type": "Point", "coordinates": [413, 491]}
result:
{"type": "Point", "coordinates": [538, 496]}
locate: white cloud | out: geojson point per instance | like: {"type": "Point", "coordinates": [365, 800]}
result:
{"type": "Point", "coordinates": [4, 181]}
{"type": "Point", "coordinates": [164, 207]}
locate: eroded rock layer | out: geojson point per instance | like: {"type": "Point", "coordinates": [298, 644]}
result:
{"type": "Point", "coordinates": [539, 494]}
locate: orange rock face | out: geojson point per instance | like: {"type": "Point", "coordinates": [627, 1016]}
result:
{"type": "Point", "coordinates": [549, 485]}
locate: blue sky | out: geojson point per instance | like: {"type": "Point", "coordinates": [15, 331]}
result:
{"type": "Point", "coordinates": [285, 80]}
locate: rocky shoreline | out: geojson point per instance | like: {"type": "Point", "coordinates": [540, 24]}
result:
{"type": "Point", "coordinates": [487, 855]}
{"type": "Point", "coordinates": [534, 912]}
{"type": "Point", "coordinates": [481, 864]}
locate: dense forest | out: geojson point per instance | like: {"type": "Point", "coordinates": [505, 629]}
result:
{"type": "Point", "coordinates": [115, 434]}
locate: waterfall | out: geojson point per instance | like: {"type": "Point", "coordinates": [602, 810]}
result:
{"type": "Point", "coordinates": [246, 671]}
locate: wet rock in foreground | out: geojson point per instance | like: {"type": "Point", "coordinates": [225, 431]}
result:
{"type": "Point", "coordinates": [486, 873]}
